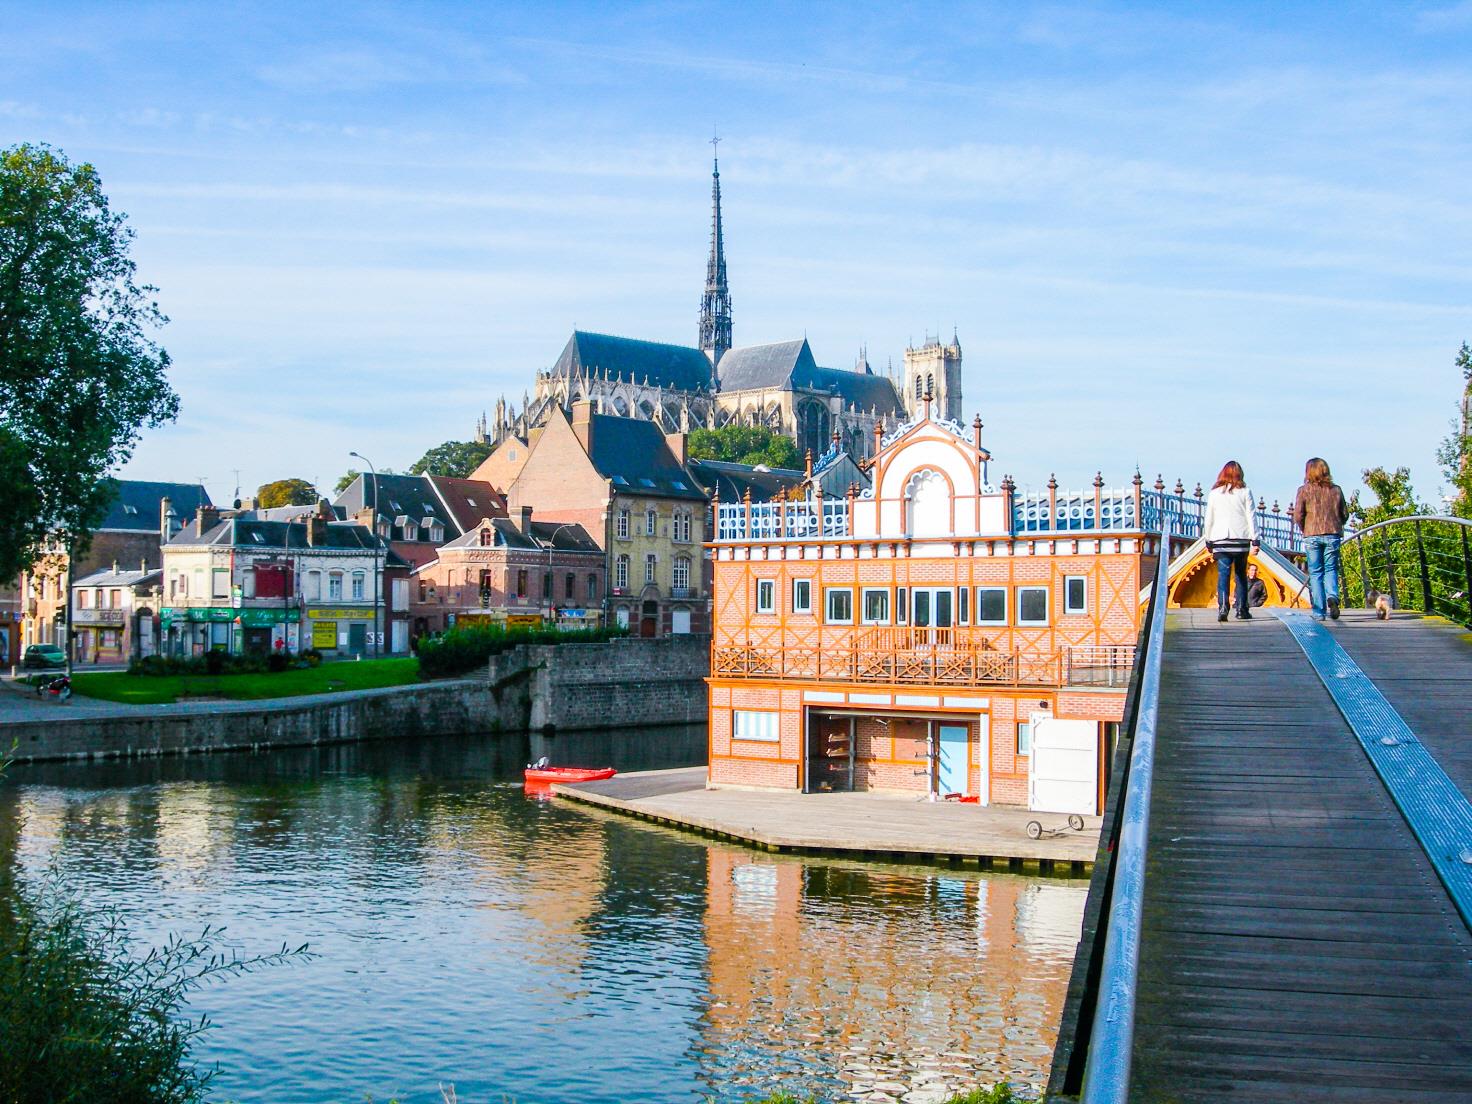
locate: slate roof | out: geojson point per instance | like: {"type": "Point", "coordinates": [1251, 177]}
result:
{"type": "Point", "coordinates": [136, 506]}
{"type": "Point", "coordinates": [730, 482]}
{"type": "Point", "coordinates": [411, 496]}
{"type": "Point", "coordinates": [788, 365]}
{"type": "Point", "coordinates": [250, 532]}
{"type": "Point", "coordinates": [562, 536]}
{"type": "Point", "coordinates": [631, 452]}
{"type": "Point", "coordinates": [108, 577]}
{"type": "Point", "coordinates": [469, 500]}
{"type": "Point", "coordinates": [677, 367]}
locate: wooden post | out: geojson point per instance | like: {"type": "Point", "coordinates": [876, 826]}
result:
{"type": "Point", "coordinates": [1052, 503]}
{"type": "Point", "coordinates": [1098, 500]}
{"type": "Point", "coordinates": [1139, 501]}
{"type": "Point", "coordinates": [747, 499]}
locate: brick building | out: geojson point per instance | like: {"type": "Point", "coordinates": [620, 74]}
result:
{"type": "Point", "coordinates": [521, 568]}
{"type": "Point", "coordinates": [931, 634]}
{"type": "Point", "coordinates": [130, 534]}
{"type": "Point", "coordinates": [625, 482]}
{"type": "Point", "coordinates": [416, 514]}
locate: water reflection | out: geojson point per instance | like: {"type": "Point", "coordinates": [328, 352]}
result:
{"type": "Point", "coordinates": [530, 950]}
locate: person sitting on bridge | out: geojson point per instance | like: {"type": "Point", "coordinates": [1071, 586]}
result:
{"type": "Point", "coordinates": [1319, 511]}
{"type": "Point", "coordinates": [1257, 590]}
{"type": "Point", "coordinates": [1230, 531]}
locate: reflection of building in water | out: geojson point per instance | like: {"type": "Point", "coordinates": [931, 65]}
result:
{"type": "Point", "coordinates": [887, 982]}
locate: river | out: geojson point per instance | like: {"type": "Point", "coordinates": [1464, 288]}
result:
{"type": "Point", "coordinates": [463, 933]}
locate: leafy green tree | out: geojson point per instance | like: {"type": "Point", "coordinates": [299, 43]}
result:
{"type": "Point", "coordinates": [346, 481]}
{"type": "Point", "coordinates": [1455, 453]}
{"type": "Point", "coordinates": [80, 375]}
{"type": "Point", "coordinates": [286, 492]}
{"type": "Point", "coordinates": [457, 459]}
{"type": "Point", "coordinates": [20, 506]}
{"type": "Point", "coordinates": [738, 444]}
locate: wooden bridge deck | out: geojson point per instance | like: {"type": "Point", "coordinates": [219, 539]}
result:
{"type": "Point", "coordinates": [1297, 943]}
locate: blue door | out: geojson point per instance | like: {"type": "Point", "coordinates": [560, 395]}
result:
{"type": "Point", "coordinates": [953, 740]}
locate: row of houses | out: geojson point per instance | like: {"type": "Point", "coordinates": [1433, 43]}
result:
{"type": "Point", "coordinates": [590, 519]}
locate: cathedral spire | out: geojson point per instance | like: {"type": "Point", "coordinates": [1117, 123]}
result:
{"type": "Point", "coordinates": [715, 306]}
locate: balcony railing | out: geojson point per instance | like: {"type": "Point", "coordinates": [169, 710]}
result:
{"type": "Point", "coordinates": [940, 664]}
{"type": "Point", "coordinates": [1101, 510]}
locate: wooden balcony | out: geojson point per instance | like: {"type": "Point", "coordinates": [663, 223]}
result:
{"type": "Point", "coordinates": [925, 657]}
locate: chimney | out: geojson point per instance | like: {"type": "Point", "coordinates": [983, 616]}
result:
{"type": "Point", "coordinates": [524, 520]}
{"type": "Point", "coordinates": [677, 444]}
{"type": "Point", "coordinates": [316, 529]}
{"type": "Point", "coordinates": [166, 517]}
{"type": "Point", "coordinates": [206, 517]}
{"type": "Point", "coordinates": [114, 567]}
{"type": "Point", "coordinates": [582, 424]}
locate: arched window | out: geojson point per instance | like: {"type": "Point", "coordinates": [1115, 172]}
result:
{"type": "Point", "coordinates": [487, 537]}
{"type": "Point", "coordinates": [651, 521]}
{"type": "Point", "coordinates": [930, 384]}
{"type": "Point", "coordinates": [919, 388]}
{"type": "Point", "coordinates": [930, 505]}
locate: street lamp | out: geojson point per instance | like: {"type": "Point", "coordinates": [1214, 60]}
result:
{"type": "Point", "coordinates": [551, 577]}
{"type": "Point", "coordinates": [377, 570]}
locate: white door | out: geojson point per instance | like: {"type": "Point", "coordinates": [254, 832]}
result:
{"type": "Point", "coordinates": [1065, 766]}
{"type": "Point", "coordinates": [679, 621]}
{"type": "Point", "coordinates": [399, 636]}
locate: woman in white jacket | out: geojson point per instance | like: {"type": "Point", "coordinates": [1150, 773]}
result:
{"type": "Point", "coordinates": [1230, 531]}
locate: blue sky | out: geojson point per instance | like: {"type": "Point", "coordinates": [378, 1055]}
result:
{"type": "Point", "coordinates": [1166, 235]}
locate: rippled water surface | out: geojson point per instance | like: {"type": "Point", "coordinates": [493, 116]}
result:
{"type": "Point", "coordinates": [532, 951]}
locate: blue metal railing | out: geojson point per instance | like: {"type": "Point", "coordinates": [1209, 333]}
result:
{"type": "Point", "coordinates": [1111, 1042]}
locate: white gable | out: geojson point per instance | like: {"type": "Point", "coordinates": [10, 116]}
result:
{"type": "Point", "coordinates": [928, 484]}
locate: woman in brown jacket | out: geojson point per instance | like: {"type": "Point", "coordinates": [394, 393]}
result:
{"type": "Point", "coordinates": [1319, 511]}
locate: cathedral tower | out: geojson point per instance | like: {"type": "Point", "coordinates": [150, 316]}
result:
{"type": "Point", "coordinates": [936, 369]}
{"type": "Point", "coordinates": [715, 307]}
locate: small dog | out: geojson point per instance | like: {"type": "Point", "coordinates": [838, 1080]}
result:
{"type": "Point", "coordinates": [1381, 603]}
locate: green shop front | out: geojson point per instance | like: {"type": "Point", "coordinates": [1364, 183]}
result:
{"type": "Point", "coordinates": [194, 630]}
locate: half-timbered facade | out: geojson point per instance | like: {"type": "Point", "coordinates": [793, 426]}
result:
{"type": "Point", "coordinates": [931, 633]}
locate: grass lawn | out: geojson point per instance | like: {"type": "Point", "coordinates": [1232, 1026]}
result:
{"type": "Point", "coordinates": [367, 674]}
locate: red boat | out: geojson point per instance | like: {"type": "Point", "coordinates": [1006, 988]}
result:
{"type": "Point", "coordinates": [547, 775]}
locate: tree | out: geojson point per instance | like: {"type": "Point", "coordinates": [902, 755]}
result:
{"type": "Point", "coordinates": [1455, 453]}
{"type": "Point", "coordinates": [346, 481]}
{"type": "Point", "coordinates": [738, 444]}
{"type": "Point", "coordinates": [80, 375]}
{"type": "Point", "coordinates": [286, 492]}
{"type": "Point", "coordinates": [457, 459]}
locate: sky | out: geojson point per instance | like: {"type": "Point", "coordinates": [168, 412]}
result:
{"type": "Point", "coordinates": [1165, 235]}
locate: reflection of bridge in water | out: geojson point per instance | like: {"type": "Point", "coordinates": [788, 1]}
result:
{"type": "Point", "coordinates": [1280, 910]}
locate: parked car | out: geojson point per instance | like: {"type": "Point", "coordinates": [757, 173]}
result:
{"type": "Point", "coordinates": [43, 656]}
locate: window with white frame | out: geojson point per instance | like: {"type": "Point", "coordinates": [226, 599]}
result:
{"type": "Point", "coordinates": [681, 578]}
{"type": "Point", "coordinates": [651, 567]}
{"type": "Point", "coordinates": [651, 522]}
{"type": "Point", "coordinates": [220, 582]}
{"type": "Point", "coordinates": [357, 586]}
{"type": "Point", "coordinates": [1024, 738]}
{"type": "Point", "coordinates": [621, 524]}
{"type": "Point", "coordinates": [901, 605]}
{"type": "Point", "coordinates": [766, 596]}
{"type": "Point", "coordinates": [963, 605]}
{"type": "Point", "coordinates": [1075, 594]}
{"type": "Point", "coordinates": [1032, 605]}
{"type": "Point", "coordinates": [334, 586]}
{"type": "Point", "coordinates": [991, 605]}
{"type": "Point", "coordinates": [802, 596]}
{"type": "Point", "coordinates": [876, 606]}
{"type": "Point", "coordinates": [754, 724]}
{"type": "Point", "coordinates": [839, 604]}
{"type": "Point", "coordinates": [621, 572]}
{"type": "Point", "coordinates": [682, 526]}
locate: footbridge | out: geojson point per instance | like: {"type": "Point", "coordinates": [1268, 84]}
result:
{"type": "Point", "coordinates": [1281, 906]}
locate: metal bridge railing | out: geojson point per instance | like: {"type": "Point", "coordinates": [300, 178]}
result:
{"type": "Point", "coordinates": [1420, 562]}
{"type": "Point", "coordinates": [1096, 1039]}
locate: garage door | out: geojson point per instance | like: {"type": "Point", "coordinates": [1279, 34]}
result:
{"type": "Point", "coordinates": [1065, 766]}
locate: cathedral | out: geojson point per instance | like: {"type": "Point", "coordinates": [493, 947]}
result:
{"type": "Point", "coordinates": [718, 383]}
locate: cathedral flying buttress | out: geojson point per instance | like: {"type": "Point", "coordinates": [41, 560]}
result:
{"type": "Point", "coordinates": [778, 385]}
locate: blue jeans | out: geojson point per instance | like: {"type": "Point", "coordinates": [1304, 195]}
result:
{"type": "Point", "coordinates": [1322, 561]}
{"type": "Point", "coordinates": [1231, 565]}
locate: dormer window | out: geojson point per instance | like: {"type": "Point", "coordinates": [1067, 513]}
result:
{"type": "Point", "coordinates": [487, 537]}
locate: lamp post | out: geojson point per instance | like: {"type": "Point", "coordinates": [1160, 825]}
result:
{"type": "Point", "coordinates": [551, 576]}
{"type": "Point", "coordinates": [377, 570]}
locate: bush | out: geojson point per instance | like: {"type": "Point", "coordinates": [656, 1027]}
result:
{"type": "Point", "coordinates": [464, 649]}
{"type": "Point", "coordinates": [82, 1019]}
{"type": "Point", "coordinates": [277, 662]}
{"type": "Point", "coordinates": [313, 657]}
{"type": "Point", "coordinates": [214, 663]}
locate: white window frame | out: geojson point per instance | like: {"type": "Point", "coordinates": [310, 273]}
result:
{"type": "Point", "coordinates": [682, 527]}
{"type": "Point", "coordinates": [963, 605]}
{"type": "Point", "coordinates": [761, 726]}
{"type": "Point", "coordinates": [358, 586]}
{"type": "Point", "coordinates": [1068, 607]}
{"type": "Point", "coordinates": [806, 586]}
{"type": "Point", "coordinates": [830, 593]}
{"type": "Point", "coordinates": [621, 524]}
{"type": "Point", "coordinates": [1024, 737]}
{"type": "Point", "coordinates": [901, 605]}
{"type": "Point", "coordinates": [766, 596]}
{"type": "Point", "coordinates": [621, 572]}
{"type": "Point", "coordinates": [680, 580]}
{"type": "Point", "coordinates": [1022, 590]}
{"type": "Point", "coordinates": [981, 604]}
{"type": "Point", "coordinates": [864, 617]}
{"type": "Point", "coordinates": [334, 586]}
{"type": "Point", "coordinates": [651, 568]}
{"type": "Point", "coordinates": [651, 522]}
{"type": "Point", "coordinates": [216, 575]}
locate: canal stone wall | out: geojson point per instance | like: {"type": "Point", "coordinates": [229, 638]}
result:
{"type": "Point", "coordinates": [540, 689]}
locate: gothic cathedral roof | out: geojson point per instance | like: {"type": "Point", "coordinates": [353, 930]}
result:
{"type": "Point", "coordinates": [673, 367]}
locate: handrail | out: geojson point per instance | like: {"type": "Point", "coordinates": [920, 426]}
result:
{"type": "Point", "coordinates": [1358, 533]}
{"type": "Point", "coordinates": [1111, 1042]}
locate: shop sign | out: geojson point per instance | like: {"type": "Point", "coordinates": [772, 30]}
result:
{"type": "Point", "coordinates": [97, 616]}
{"type": "Point", "coordinates": [197, 613]}
{"type": "Point", "coordinates": [324, 634]}
{"type": "Point", "coordinates": [522, 620]}
{"type": "Point", "coordinates": [261, 618]}
{"type": "Point", "coordinates": [341, 614]}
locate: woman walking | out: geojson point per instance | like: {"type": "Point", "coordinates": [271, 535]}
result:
{"type": "Point", "coordinates": [1319, 511]}
{"type": "Point", "coordinates": [1230, 530]}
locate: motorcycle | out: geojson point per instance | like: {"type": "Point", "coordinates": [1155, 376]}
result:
{"type": "Point", "coordinates": [58, 688]}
